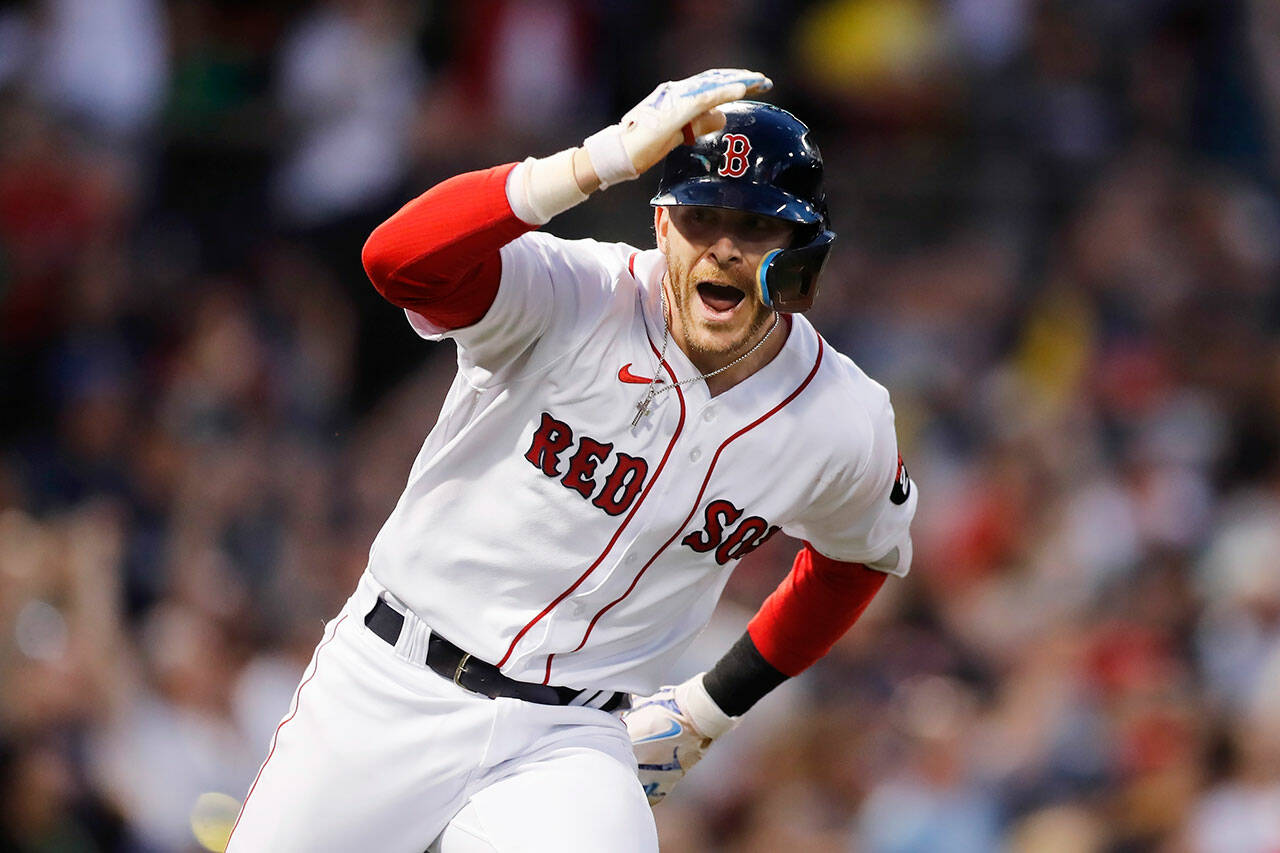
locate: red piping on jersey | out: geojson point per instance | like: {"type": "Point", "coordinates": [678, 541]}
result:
{"type": "Point", "coordinates": [608, 547]}
{"type": "Point", "coordinates": [697, 501]}
{"type": "Point", "coordinates": [297, 703]}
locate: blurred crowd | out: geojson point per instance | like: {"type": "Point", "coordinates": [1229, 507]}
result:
{"type": "Point", "coordinates": [1059, 250]}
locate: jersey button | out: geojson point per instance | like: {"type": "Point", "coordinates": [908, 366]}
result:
{"type": "Point", "coordinates": [695, 455]}
{"type": "Point", "coordinates": [709, 415]}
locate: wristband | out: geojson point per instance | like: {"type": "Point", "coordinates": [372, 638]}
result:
{"type": "Point", "coordinates": [741, 678]}
{"type": "Point", "coordinates": [609, 156]}
{"type": "Point", "coordinates": [540, 188]}
{"type": "Point", "coordinates": [709, 718]}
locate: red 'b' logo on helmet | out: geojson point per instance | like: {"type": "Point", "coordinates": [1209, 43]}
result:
{"type": "Point", "coordinates": [736, 149]}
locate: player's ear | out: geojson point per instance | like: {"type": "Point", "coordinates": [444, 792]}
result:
{"type": "Point", "coordinates": [661, 221]}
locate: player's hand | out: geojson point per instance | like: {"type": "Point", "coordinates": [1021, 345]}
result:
{"type": "Point", "coordinates": [656, 125]}
{"type": "Point", "coordinates": [674, 113]}
{"type": "Point", "coordinates": [671, 731]}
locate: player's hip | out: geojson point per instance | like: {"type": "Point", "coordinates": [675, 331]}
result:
{"type": "Point", "coordinates": [408, 645]}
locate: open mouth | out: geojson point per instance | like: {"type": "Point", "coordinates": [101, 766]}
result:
{"type": "Point", "coordinates": [720, 298]}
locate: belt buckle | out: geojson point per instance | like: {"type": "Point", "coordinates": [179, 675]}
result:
{"type": "Point", "coordinates": [461, 670]}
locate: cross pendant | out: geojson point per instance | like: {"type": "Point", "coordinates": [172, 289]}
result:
{"type": "Point", "coordinates": [642, 408]}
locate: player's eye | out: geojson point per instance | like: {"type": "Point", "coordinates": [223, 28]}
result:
{"type": "Point", "coordinates": [698, 221]}
{"type": "Point", "coordinates": [763, 228]}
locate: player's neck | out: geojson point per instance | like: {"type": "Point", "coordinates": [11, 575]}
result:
{"type": "Point", "coordinates": [722, 382]}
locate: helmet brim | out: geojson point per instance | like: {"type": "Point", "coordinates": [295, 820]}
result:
{"type": "Point", "coordinates": [763, 199]}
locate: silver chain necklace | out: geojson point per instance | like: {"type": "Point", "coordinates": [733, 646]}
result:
{"type": "Point", "coordinates": [658, 386]}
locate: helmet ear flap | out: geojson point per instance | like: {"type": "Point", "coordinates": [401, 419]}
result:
{"type": "Point", "coordinates": [762, 276]}
{"type": "Point", "coordinates": [788, 278]}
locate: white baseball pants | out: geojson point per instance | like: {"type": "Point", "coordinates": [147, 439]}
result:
{"type": "Point", "coordinates": [379, 753]}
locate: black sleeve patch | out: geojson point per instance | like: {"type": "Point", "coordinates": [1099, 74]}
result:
{"type": "Point", "coordinates": [901, 485]}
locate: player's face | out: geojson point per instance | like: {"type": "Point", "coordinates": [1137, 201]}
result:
{"type": "Point", "coordinates": [712, 255]}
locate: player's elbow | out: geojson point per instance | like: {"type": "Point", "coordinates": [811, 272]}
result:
{"type": "Point", "coordinates": [838, 575]}
{"type": "Point", "coordinates": [379, 263]}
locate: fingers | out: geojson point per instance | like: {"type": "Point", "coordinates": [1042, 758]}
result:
{"type": "Point", "coordinates": [721, 85]}
{"type": "Point", "coordinates": [717, 77]}
{"type": "Point", "coordinates": [704, 99]}
{"type": "Point", "coordinates": [680, 111]}
{"type": "Point", "coordinates": [709, 122]}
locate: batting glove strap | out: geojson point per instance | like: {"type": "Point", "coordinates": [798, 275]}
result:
{"type": "Point", "coordinates": [609, 157]}
{"type": "Point", "coordinates": [701, 709]}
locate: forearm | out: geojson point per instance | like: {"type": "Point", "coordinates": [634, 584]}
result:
{"type": "Point", "coordinates": [438, 255]}
{"type": "Point", "coordinates": [814, 606]}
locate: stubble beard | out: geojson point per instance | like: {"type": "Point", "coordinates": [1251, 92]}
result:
{"type": "Point", "coordinates": [695, 338]}
{"type": "Point", "coordinates": [699, 346]}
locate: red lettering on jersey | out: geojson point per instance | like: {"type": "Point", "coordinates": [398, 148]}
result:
{"type": "Point", "coordinates": [582, 467]}
{"type": "Point", "coordinates": [749, 535]}
{"type": "Point", "coordinates": [736, 149]}
{"type": "Point", "coordinates": [622, 485]}
{"type": "Point", "coordinates": [742, 541]}
{"type": "Point", "coordinates": [552, 438]}
{"type": "Point", "coordinates": [718, 514]}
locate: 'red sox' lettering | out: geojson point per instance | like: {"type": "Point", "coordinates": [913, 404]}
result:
{"type": "Point", "coordinates": [621, 485]}
{"type": "Point", "coordinates": [724, 530]}
{"type": "Point", "coordinates": [753, 532]}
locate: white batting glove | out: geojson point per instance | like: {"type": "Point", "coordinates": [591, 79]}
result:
{"type": "Point", "coordinates": [675, 112]}
{"type": "Point", "coordinates": [670, 731]}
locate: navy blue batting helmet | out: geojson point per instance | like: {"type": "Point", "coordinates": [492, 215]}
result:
{"type": "Point", "coordinates": [764, 162]}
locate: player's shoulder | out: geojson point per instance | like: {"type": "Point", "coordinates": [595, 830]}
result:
{"type": "Point", "coordinates": [578, 252]}
{"type": "Point", "coordinates": [857, 388]}
{"type": "Point", "coordinates": [842, 385]}
{"type": "Point", "coordinates": [852, 410]}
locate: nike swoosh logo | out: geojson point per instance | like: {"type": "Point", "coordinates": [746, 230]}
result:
{"type": "Point", "coordinates": [625, 374]}
{"type": "Point", "coordinates": [672, 731]}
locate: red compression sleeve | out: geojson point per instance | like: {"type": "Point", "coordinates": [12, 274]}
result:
{"type": "Point", "coordinates": [438, 255]}
{"type": "Point", "coordinates": [817, 602]}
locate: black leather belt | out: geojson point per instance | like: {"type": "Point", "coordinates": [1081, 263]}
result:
{"type": "Point", "coordinates": [448, 661]}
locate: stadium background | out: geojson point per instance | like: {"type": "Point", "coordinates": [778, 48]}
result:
{"type": "Point", "coordinates": [1059, 249]}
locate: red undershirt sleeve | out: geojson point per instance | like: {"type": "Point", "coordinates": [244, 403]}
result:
{"type": "Point", "coordinates": [814, 606]}
{"type": "Point", "coordinates": [438, 255]}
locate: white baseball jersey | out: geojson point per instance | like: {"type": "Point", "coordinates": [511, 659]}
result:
{"type": "Point", "coordinates": [541, 532]}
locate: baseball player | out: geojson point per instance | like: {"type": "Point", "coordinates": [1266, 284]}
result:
{"type": "Point", "coordinates": [625, 425]}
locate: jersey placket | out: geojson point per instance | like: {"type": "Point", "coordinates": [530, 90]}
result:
{"type": "Point", "coordinates": [702, 492]}
{"type": "Point", "coordinates": [632, 554]}
{"type": "Point", "coordinates": [661, 447]}
{"type": "Point", "coordinates": [659, 524]}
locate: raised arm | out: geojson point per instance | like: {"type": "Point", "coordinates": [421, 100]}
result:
{"type": "Point", "coordinates": [438, 255]}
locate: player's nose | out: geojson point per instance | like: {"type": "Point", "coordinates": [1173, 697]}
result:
{"type": "Point", "coordinates": [724, 249]}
